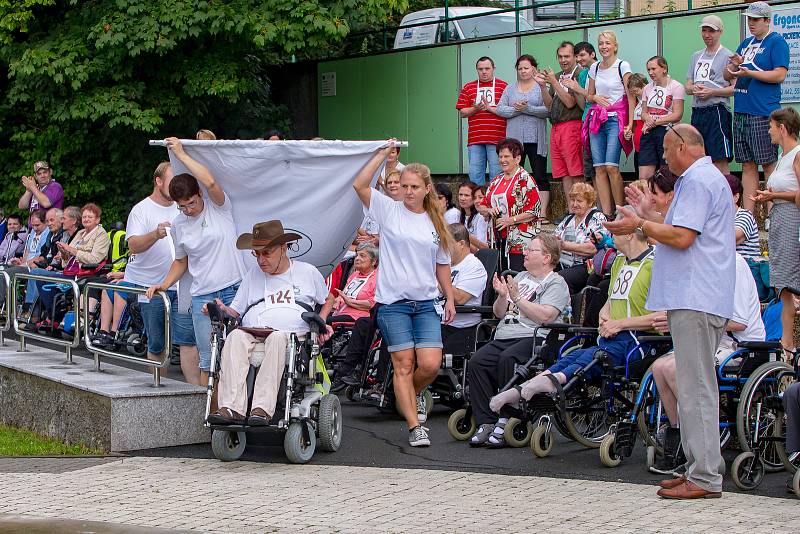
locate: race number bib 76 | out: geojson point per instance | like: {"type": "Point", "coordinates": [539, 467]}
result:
{"type": "Point", "coordinates": [485, 93]}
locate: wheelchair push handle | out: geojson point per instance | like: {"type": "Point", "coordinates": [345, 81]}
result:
{"type": "Point", "coordinates": [216, 315]}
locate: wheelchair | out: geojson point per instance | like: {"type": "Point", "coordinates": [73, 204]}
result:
{"type": "Point", "coordinates": [306, 413]}
{"type": "Point", "coordinates": [559, 341]}
{"type": "Point", "coordinates": [582, 411]}
{"type": "Point", "coordinates": [750, 382]}
{"type": "Point", "coordinates": [761, 423]}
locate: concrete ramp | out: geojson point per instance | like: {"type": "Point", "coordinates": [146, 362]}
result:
{"type": "Point", "coordinates": [116, 409]}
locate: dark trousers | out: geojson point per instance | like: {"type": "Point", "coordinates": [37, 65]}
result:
{"type": "Point", "coordinates": [490, 369]}
{"type": "Point", "coordinates": [360, 339]}
{"type": "Point", "coordinates": [791, 404]}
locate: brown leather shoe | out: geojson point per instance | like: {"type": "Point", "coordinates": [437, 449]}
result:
{"type": "Point", "coordinates": [672, 482]}
{"type": "Point", "coordinates": [258, 417]}
{"type": "Point", "coordinates": [225, 416]}
{"type": "Point", "coordinates": [688, 490]}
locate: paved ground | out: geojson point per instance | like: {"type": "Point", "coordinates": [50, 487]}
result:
{"type": "Point", "coordinates": [206, 495]}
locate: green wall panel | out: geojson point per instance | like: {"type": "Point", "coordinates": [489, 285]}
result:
{"type": "Point", "coordinates": [384, 104]}
{"type": "Point", "coordinates": [340, 115]}
{"type": "Point", "coordinates": [504, 54]}
{"type": "Point", "coordinates": [638, 42]}
{"type": "Point", "coordinates": [543, 48]}
{"type": "Point", "coordinates": [433, 122]}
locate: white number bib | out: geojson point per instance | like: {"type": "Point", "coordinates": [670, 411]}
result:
{"type": "Point", "coordinates": [354, 287]}
{"type": "Point", "coordinates": [749, 53]}
{"type": "Point", "coordinates": [702, 71]}
{"type": "Point", "coordinates": [658, 98]}
{"type": "Point", "coordinates": [485, 93]}
{"type": "Point", "coordinates": [624, 282]}
{"type": "Point", "coordinates": [499, 198]}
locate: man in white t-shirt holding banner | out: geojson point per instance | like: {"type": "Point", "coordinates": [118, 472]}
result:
{"type": "Point", "coordinates": [469, 281]}
{"type": "Point", "coordinates": [273, 295]}
{"type": "Point", "coordinates": [150, 258]}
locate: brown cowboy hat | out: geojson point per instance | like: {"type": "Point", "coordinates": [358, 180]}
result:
{"type": "Point", "coordinates": [265, 234]}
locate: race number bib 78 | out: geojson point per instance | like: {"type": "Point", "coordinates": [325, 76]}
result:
{"type": "Point", "coordinates": [658, 98]}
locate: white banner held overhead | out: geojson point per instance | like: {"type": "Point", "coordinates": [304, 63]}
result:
{"type": "Point", "coordinates": [307, 185]}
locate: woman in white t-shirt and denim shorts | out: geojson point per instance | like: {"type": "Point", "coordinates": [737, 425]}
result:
{"type": "Point", "coordinates": [413, 256]}
{"type": "Point", "coordinates": [203, 236]}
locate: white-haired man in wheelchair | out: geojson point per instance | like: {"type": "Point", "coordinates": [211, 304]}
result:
{"type": "Point", "coordinates": [271, 300]}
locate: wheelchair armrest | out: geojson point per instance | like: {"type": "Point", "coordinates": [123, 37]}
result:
{"type": "Point", "coordinates": [582, 330]}
{"type": "Point", "coordinates": [483, 310]}
{"type": "Point", "coordinates": [558, 326]}
{"type": "Point", "coordinates": [509, 272]}
{"type": "Point", "coordinates": [313, 320]}
{"type": "Point", "coordinates": [759, 345]}
{"type": "Point", "coordinates": [216, 315]}
{"type": "Point", "coordinates": [655, 339]}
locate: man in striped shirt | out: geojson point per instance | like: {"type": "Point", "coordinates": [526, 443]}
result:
{"type": "Point", "coordinates": [477, 102]}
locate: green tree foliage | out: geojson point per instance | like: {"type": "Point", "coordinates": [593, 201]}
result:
{"type": "Point", "coordinates": [87, 83]}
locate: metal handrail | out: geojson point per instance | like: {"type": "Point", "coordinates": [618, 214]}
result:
{"type": "Point", "coordinates": [97, 351]}
{"type": "Point", "coordinates": [7, 322]}
{"type": "Point", "coordinates": [76, 292]}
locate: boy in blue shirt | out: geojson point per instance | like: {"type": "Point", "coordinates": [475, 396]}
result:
{"type": "Point", "coordinates": [759, 66]}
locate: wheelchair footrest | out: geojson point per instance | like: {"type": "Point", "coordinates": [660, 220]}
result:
{"type": "Point", "coordinates": [541, 403]}
{"type": "Point", "coordinates": [625, 438]}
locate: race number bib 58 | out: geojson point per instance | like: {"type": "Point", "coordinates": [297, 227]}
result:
{"type": "Point", "coordinates": [624, 282]}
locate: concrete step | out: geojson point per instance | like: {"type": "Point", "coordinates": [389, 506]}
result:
{"type": "Point", "coordinates": [116, 409]}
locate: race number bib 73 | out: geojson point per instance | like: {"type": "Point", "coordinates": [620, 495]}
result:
{"type": "Point", "coordinates": [624, 282]}
{"type": "Point", "coordinates": [702, 71]}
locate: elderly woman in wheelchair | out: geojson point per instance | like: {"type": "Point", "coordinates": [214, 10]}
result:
{"type": "Point", "coordinates": [273, 303]}
{"type": "Point", "coordinates": [623, 319]}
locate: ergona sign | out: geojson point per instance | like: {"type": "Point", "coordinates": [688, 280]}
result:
{"type": "Point", "coordinates": [786, 21]}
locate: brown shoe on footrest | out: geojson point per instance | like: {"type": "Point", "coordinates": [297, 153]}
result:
{"type": "Point", "coordinates": [226, 416]}
{"type": "Point", "coordinates": [258, 417]}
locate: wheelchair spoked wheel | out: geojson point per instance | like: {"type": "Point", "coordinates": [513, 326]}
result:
{"type": "Point", "coordinates": [228, 446]}
{"type": "Point", "coordinates": [608, 451]}
{"type": "Point", "coordinates": [651, 416]}
{"type": "Point", "coordinates": [542, 441]}
{"type": "Point", "coordinates": [747, 471]}
{"type": "Point", "coordinates": [460, 427]}
{"type": "Point", "coordinates": [587, 419]}
{"type": "Point", "coordinates": [517, 433]}
{"type": "Point", "coordinates": [329, 425]}
{"type": "Point", "coordinates": [297, 451]}
{"type": "Point", "coordinates": [763, 389]}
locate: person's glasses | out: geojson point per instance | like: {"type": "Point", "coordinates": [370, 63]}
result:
{"type": "Point", "coordinates": [671, 128]}
{"type": "Point", "coordinates": [188, 206]}
{"type": "Point", "coordinates": [264, 252]}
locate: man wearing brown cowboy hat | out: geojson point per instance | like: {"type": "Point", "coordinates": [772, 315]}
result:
{"type": "Point", "coordinates": [273, 295]}
{"type": "Point", "coordinates": [41, 191]}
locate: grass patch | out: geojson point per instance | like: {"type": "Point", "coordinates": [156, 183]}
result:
{"type": "Point", "coordinates": [19, 442]}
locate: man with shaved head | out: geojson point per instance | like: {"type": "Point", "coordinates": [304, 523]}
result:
{"type": "Point", "coordinates": [694, 272]}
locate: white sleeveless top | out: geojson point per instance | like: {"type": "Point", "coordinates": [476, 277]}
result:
{"type": "Point", "coordinates": [783, 177]}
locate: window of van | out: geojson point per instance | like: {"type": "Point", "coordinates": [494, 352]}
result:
{"type": "Point", "coordinates": [491, 25]}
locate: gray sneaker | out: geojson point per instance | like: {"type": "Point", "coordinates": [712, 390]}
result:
{"type": "Point", "coordinates": [418, 437]}
{"type": "Point", "coordinates": [422, 413]}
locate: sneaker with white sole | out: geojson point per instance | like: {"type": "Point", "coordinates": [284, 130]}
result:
{"type": "Point", "coordinates": [418, 437]}
{"type": "Point", "coordinates": [422, 412]}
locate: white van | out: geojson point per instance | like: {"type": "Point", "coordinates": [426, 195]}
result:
{"type": "Point", "coordinates": [458, 30]}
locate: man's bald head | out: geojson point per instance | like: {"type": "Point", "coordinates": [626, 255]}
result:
{"type": "Point", "coordinates": [683, 145]}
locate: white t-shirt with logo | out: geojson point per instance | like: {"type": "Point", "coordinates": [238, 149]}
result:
{"type": "Point", "coordinates": [409, 252]}
{"type": "Point", "coordinates": [469, 275]}
{"type": "Point", "coordinates": [209, 240]}
{"type": "Point", "coordinates": [151, 266]}
{"type": "Point", "coordinates": [279, 295]}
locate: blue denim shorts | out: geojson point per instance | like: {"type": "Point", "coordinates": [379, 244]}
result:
{"type": "Point", "coordinates": [408, 324]}
{"type": "Point", "coordinates": [605, 144]}
{"type": "Point", "coordinates": [124, 294]}
{"type": "Point", "coordinates": [202, 324]}
{"type": "Point", "coordinates": [153, 317]}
